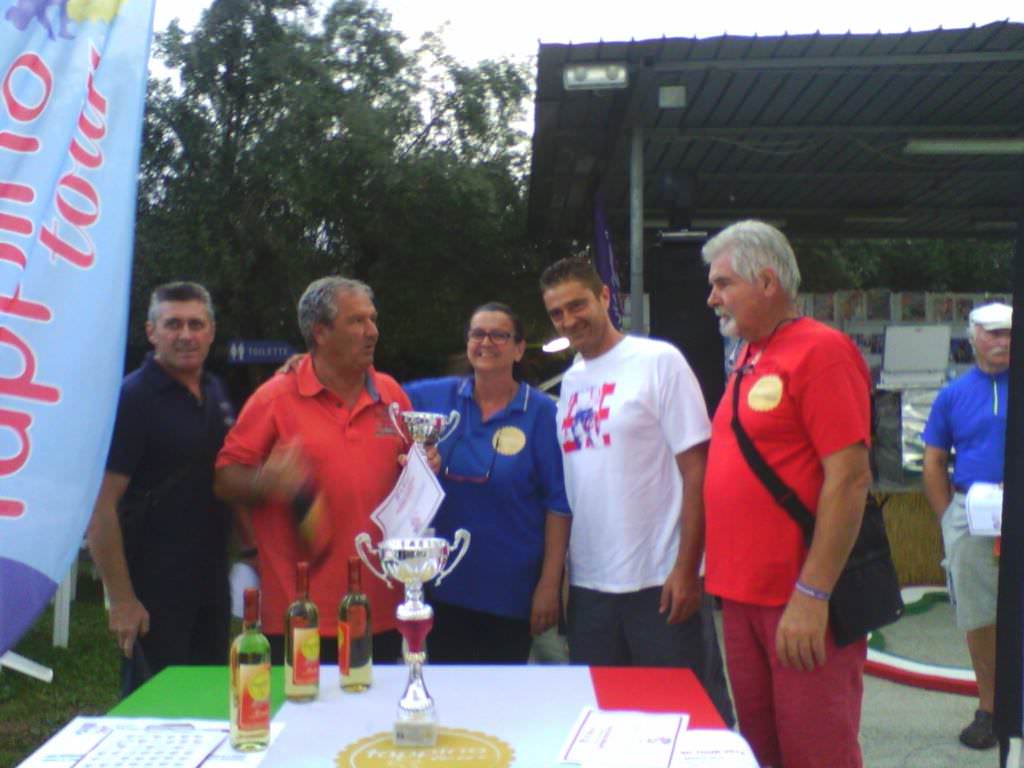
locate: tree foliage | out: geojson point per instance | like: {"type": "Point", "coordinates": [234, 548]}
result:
{"type": "Point", "coordinates": [964, 266]}
{"type": "Point", "coordinates": [306, 140]}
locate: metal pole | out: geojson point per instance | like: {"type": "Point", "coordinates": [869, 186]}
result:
{"type": "Point", "coordinates": [1009, 630]}
{"type": "Point", "coordinates": [636, 233]}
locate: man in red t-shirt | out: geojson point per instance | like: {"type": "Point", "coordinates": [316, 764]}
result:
{"type": "Point", "coordinates": [804, 402]}
{"type": "Point", "coordinates": [313, 453]}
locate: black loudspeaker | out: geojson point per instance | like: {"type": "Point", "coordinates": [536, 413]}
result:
{"type": "Point", "coordinates": [677, 283]}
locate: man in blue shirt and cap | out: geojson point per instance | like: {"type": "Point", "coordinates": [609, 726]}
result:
{"type": "Point", "coordinates": [969, 417]}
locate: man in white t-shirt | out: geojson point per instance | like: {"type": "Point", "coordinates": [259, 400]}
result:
{"type": "Point", "coordinates": [634, 430]}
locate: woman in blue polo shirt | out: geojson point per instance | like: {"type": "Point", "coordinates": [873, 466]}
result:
{"type": "Point", "coordinates": [502, 473]}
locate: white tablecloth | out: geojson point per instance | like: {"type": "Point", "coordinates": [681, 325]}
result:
{"type": "Point", "coordinates": [532, 708]}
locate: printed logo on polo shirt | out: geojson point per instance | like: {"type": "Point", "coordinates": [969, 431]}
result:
{"type": "Point", "coordinates": [766, 394]}
{"type": "Point", "coordinates": [384, 426]}
{"type": "Point", "coordinates": [508, 441]}
{"type": "Point", "coordinates": [584, 422]}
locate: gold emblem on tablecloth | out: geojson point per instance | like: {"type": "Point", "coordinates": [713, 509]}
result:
{"type": "Point", "coordinates": [508, 441]}
{"type": "Point", "coordinates": [455, 746]}
{"type": "Point", "coordinates": [766, 393]}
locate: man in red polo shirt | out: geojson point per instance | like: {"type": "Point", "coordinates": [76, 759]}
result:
{"type": "Point", "coordinates": [803, 400]}
{"type": "Point", "coordinates": [317, 442]}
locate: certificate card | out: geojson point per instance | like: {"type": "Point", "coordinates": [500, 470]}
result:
{"type": "Point", "coordinates": [413, 502]}
{"type": "Point", "coordinates": [713, 748]}
{"type": "Point", "coordinates": [187, 748]}
{"type": "Point", "coordinates": [984, 509]}
{"type": "Point", "coordinates": [136, 742]}
{"type": "Point", "coordinates": [634, 739]}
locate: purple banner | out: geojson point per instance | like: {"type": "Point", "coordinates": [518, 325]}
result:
{"type": "Point", "coordinates": [604, 259]}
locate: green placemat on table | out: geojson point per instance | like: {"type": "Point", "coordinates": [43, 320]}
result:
{"type": "Point", "coordinates": [193, 692]}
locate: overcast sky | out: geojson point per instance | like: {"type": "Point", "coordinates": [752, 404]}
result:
{"type": "Point", "coordinates": [487, 28]}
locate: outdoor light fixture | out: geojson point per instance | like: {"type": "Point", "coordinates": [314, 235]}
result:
{"type": "Point", "coordinates": [556, 345]}
{"type": "Point", "coordinates": [671, 96]}
{"type": "Point", "coordinates": [595, 76]}
{"type": "Point", "coordinates": [682, 236]}
{"type": "Point", "coordinates": [964, 147]}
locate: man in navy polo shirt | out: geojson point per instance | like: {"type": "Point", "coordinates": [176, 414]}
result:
{"type": "Point", "coordinates": [969, 417]}
{"type": "Point", "coordinates": [158, 535]}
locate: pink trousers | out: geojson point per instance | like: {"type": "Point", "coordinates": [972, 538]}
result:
{"type": "Point", "coordinates": [792, 719]}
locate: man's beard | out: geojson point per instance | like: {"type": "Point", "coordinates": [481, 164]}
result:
{"type": "Point", "coordinates": [727, 326]}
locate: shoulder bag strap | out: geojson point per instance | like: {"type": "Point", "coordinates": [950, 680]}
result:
{"type": "Point", "coordinates": [784, 496]}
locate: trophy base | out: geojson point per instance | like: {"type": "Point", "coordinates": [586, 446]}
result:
{"type": "Point", "coordinates": [416, 718]}
{"type": "Point", "coordinates": [415, 733]}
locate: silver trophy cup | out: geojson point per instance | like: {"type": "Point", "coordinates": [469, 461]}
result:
{"type": "Point", "coordinates": [413, 562]}
{"type": "Point", "coordinates": [422, 427]}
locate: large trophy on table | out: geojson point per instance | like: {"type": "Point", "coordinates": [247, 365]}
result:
{"type": "Point", "coordinates": [413, 561]}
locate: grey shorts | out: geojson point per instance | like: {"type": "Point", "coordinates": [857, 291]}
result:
{"type": "Point", "coordinates": [972, 571]}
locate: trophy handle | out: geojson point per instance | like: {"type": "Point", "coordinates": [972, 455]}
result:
{"type": "Point", "coordinates": [453, 422]}
{"type": "Point", "coordinates": [393, 413]}
{"type": "Point", "coordinates": [460, 535]}
{"type": "Point", "coordinates": [363, 546]}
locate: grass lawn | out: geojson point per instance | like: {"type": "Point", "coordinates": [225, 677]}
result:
{"type": "Point", "coordinates": [86, 676]}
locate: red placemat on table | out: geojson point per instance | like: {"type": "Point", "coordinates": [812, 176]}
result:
{"type": "Point", "coordinates": [655, 689]}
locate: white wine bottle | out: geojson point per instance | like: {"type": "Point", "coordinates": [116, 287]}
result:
{"type": "Point", "coordinates": [302, 642]}
{"type": "Point", "coordinates": [355, 634]}
{"type": "Point", "coordinates": [249, 697]}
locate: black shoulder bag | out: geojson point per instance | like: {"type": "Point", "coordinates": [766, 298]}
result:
{"type": "Point", "coordinates": [867, 594]}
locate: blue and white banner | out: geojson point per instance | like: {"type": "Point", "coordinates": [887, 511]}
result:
{"type": "Point", "coordinates": [72, 93]}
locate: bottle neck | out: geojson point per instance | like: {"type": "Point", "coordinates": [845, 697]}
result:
{"type": "Point", "coordinates": [355, 577]}
{"type": "Point", "coordinates": [251, 610]}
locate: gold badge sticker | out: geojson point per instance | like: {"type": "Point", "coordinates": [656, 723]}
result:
{"type": "Point", "coordinates": [766, 394]}
{"type": "Point", "coordinates": [455, 746]}
{"type": "Point", "coordinates": [508, 441]}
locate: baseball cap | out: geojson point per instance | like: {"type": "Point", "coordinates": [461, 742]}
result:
{"type": "Point", "coordinates": [992, 317]}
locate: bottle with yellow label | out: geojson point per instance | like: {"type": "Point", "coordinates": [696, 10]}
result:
{"type": "Point", "coordinates": [302, 642]}
{"type": "Point", "coordinates": [355, 634]}
{"type": "Point", "coordinates": [249, 696]}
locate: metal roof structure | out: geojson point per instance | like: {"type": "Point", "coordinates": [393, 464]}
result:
{"type": "Point", "coordinates": [808, 131]}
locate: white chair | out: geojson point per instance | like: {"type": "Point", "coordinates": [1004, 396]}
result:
{"type": "Point", "coordinates": [62, 606]}
{"type": "Point", "coordinates": [11, 660]}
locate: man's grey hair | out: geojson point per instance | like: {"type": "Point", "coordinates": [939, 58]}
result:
{"type": "Point", "coordinates": [756, 246]}
{"type": "Point", "coordinates": [178, 291]}
{"type": "Point", "coordinates": [319, 302]}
